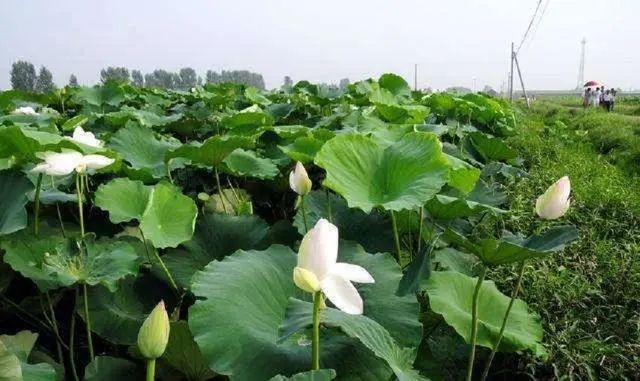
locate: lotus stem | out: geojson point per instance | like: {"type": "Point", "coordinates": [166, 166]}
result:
{"type": "Point", "coordinates": [54, 325]}
{"type": "Point", "coordinates": [72, 330]}
{"type": "Point", "coordinates": [36, 208]}
{"type": "Point", "coordinates": [315, 344]}
{"type": "Point", "coordinates": [87, 320]}
{"type": "Point", "coordinates": [151, 369]}
{"type": "Point", "coordinates": [222, 195]}
{"type": "Point", "coordinates": [516, 290]}
{"type": "Point", "coordinates": [396, 238]}
{"type": "Point", "coordinates": [160, 261]}
{"type": "Point", "coordinates": [304, 214]}
{"type": "Point", "coordinates": [80, 211]}
{"type": "Point", "coordinates": [64, 234]}
{"type": "Point", "coordinates": [329, 212]}
{"type": "Point", "coordinates": [420, 228]}
{"type": "Point", "coordinates": [474, 322]}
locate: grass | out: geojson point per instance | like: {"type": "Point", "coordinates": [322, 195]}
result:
{"type": "Point", "coordinates": [588, 296]}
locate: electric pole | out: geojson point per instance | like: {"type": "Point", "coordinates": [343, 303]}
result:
{"type": "Point", "coordinates": [415, 77]}
{"type": "Point", "coordinates": [581, 69]}
{"type": "Point", "coordinates": [513, 55]}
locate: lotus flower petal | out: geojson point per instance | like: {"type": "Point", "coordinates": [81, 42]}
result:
{"type": "Point", "coordinates": [299, 180]}
{"type": "Point", "coordinates": [342, 294]}
{"type": "Point", "coordinates": [555, 202]}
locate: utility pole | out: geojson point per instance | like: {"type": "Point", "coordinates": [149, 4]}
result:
{"type": "Point", "coordinates": [415, 77]}
{"type": "Point", "coordinates": [513, 55]}
{"type": "Point", "coordinates": [581, 69]}
{"type": "Point", "coordinates": [524, 91]}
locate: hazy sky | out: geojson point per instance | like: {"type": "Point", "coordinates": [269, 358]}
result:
{"type": "Point", "coordinates": [453, 41]}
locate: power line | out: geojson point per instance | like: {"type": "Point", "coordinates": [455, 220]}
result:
{"type": "Point", "coordinates": [530, 25]}
{"type": "Point", "coordinates": [535, 28]}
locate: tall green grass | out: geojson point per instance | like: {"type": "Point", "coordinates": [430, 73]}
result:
{"type": "Point", "coordinates": [589, 296]}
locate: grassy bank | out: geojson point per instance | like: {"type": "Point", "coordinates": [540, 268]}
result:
{"type": "Point", "coordinates": [589, 295]}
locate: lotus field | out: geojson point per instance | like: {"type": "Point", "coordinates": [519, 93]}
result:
{"type": "Point", "coordinates": [229, 233]}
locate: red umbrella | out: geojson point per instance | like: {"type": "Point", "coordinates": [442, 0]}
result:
{"type": "Point", "coordinates": [592, 83]}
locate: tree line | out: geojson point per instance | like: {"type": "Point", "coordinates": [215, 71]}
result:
{"type": "Point", "coordinates": [24, 77]}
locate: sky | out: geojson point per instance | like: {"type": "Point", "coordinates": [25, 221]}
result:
{"type": "Point", "coordinates": [453, 42]}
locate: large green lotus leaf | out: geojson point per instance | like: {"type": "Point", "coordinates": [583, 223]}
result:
{"type": "Point", "coordinates": [117, 316]}
{"type": "Point", "coordinates": [303, 149]}
{"type": "Point", "coordinates": [454, 260]}
{"type": "Point", "coordinates": [409, 114]}
{"type": "Point", "coordinates": [169, 217]}
{"type": "Point", "coordinates": [102, 261]}
{"type": "Point", "coordinates": [462, 175]}
{"type": "Point", "coordinates": [405, 175]}
{"type": "Point", "coordinates": [23, 143]}
{"type": "Point", "coordinates": [372, 231]}
{"type": "Point", "coordinates": [25, 254]}
{"type": "Point", "coordinates": [14, 187]}
{"type": "Point", "coordinates": [140, 148]}
{"type": "Point", "coordinates": [216, 236]}
{"type": "Point", "coordinates": [247, 163]}
{"type": "Point", "coordinates": [110, 94]}
{"type": "Point", "coordinates": [254, 95]}
{"type": "Point", "coordinates": [76, 121]}
{"type": "Point", "coordinates": [449, 208]}
{"type": "Point", "coordinates": [262, 282]}
{"type": "Point", "coordinates": [450, 295]}
{"type": "Point", "coordinates": [247, 122]}
{"type": "Point", "coordinates": [144, 117]}
{"type": "Point", "coordinates": [124, 199]}
{"type": "Point", "coordinates": [10, 366]}
{"type": "Point", "coordinates": [183, 354]}
{"type": "Point", "coordinates": [212, 152]}
{"type": "Point", "coordinates": [370, 333]}
{"type": "Point", "coordinates": [312, 375]}
{"type": "Point", "coordinates": [515, 248]}
{"type": "Point", "coordinates": [106, 368]}
{"type": "Point", "coordinates": [395, 84]}
{"type": "Point", "coordinates": [489, 148]}
{"type": "Point", "coordinates": [14, 352]}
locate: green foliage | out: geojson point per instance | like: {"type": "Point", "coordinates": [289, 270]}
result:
{"type": "Point", "coordinates": [23, 76]}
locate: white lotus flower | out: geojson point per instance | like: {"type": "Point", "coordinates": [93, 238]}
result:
{"type": "Point", "coordinates": [555, 202]}
{"type": "Point", "coordinates": [318, 269]}
{"type": "Point", "coordinates": [26, 110]}
{"type": "Point", "coordinates": [86, 138]}
{"type": "Point", "coordinates": [67, 161]}
{"type": "Point", "coordinates": [299, 180]}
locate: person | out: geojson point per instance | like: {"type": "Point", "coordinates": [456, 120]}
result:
{"type": "Point", "coordinates": [602, 91]}
{"type": "Point", "coordinates": [595, 99]}
{"type": "Point", "coordinates": [586, 98]}
{"type": "Point", "coordinates": [606, 100]}
{"type": "Point", "coordinates": [612, 102]}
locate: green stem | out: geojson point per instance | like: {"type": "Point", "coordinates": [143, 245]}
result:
{"type": "Point", "coordinates": [420, 228]}
{"type": "Point", "coordinates": [72, 328]}
{"type": "Point", "coordinates": [315, 344]}
{"type": "Point", "coordinates": [329, 212]}
{"type": "Point", "coordinates": [80, 211]}
{"type": "Point", "coordinates": [514, 295]}
{"type": "Point", "coordinates": [151, 369]}
{"type": "Point", "coordinates": [54, 324]}
{"type": "Point", "coordinates": [36, 208]}
{"type": "Point", "coordinates": [64, 235]}
{"type": "Point", "coordinates": [396, 238]}
{"type": "Point", "coordinates": [304, 214]}
{"type": "Point", "coordinates": [161, 262]}
{"type": "Point", "coordinates": [474, 322]}
{"type": "Point", "coordinates": [87, 320]}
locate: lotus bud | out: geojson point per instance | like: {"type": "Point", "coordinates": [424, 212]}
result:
{"type": "Point", "coordinates": [154, 333]}
{"type": "Point", "coordinates": [299, 180]}
{"type": "Point", "coordinates": [306, 280]}
{"type": "Point", "coordinates": [555, 202]}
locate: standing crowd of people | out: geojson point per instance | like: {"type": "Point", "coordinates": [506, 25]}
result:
{"type": "Point", "coordinates": [599, 97]}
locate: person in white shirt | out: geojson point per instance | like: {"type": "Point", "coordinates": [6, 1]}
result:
{"type": "Point", "coordinates": [595, 101]}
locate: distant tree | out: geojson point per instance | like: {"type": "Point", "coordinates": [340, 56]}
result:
{"type": "Point", "coordinates": [188, 78]}
{"type": "Point", "coordinates": [114, 73]}
{"type": "Point", "coordinates": [163, 79]}
{"type": "Point", "coordinates": [344, 82]}
{"type": "Point", "coordinates": [242, 77]}
{"type": "Point", "coordinates": [458, 90]}
{"type": "Point", "coordinates": [288, 83]}
{"type": "Point", "coordinates": [73, 81]}
{"type": "Point", "coordinates": [44, 83]}
{"type": "Point", "coordinates": [136, 77]}
{"type": "Point", "coordinates": [23, 76]}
